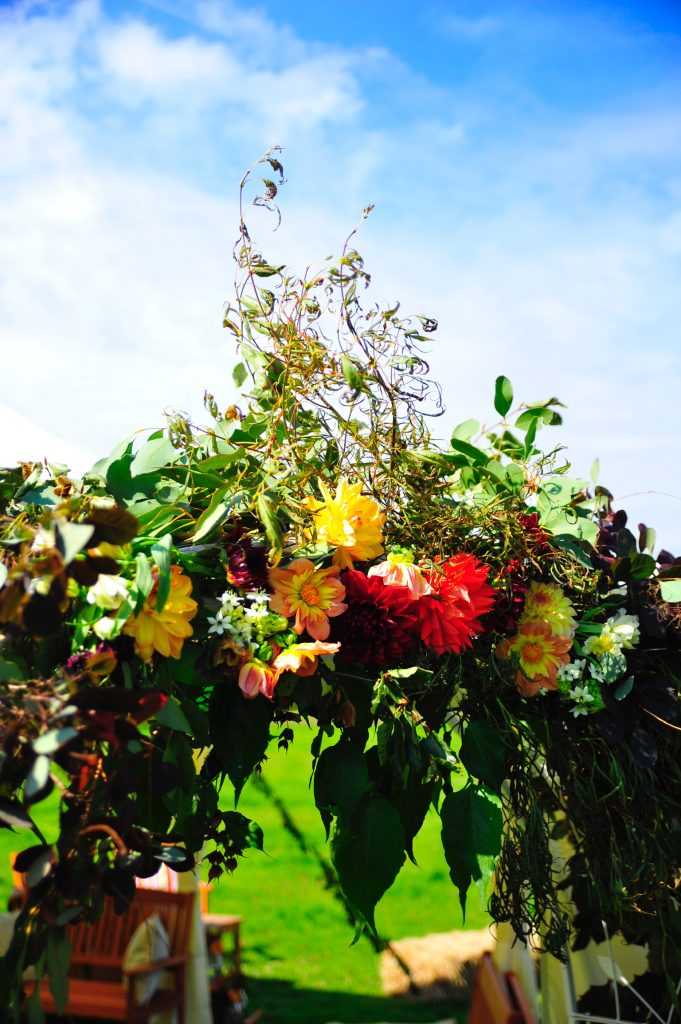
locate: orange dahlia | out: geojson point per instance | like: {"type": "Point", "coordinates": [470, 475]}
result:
{"type": "Point", "coordinates": [164, 631]}
{"type": "Point", "coordinates": [311, 594]}
{"type": "Point", "coordinates": [540, 653]}
{"type": "Point", "coordinates": [302, 658]}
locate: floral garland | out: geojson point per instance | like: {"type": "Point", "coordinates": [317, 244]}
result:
{"type": "Point", "coordinates": [469, 627]}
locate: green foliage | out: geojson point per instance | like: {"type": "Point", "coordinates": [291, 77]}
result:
{"type": "Point", "coordinates": [367, 854]}
{"type": "Point", "coordinates": [471, 838]}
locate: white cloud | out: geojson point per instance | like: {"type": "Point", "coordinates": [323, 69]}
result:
{"type": "Point", "coordinates": [546, 256]}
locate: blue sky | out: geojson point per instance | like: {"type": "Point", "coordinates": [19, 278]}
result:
{"type": "Point", "coordinates": [524, 159]}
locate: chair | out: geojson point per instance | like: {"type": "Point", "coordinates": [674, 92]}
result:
{"type": "Point", "coordinates": [98, 986]}
{"type": "Point", "coordinates": [491, 1002]}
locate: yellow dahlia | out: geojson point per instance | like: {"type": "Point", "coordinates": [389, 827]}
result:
{"type": "Point", "coordinates": [349, 521]}
{"type": "Point", "coordinates": [164, 631]}
{"type": "Point", "coordinates": [540, 653]}
{"type": "Point", "coordinates": [546, 602]}
{"type": "Point", "coordinates": [311, 594]}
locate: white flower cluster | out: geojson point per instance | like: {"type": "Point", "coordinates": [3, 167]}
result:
{"type": "Point", "coordinates": [245, 619]}
{"type": "Point", "coordinates": [583, 675]}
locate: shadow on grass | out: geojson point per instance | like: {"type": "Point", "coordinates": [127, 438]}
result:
{"type": "Point", "coordinates": [284, 1003]}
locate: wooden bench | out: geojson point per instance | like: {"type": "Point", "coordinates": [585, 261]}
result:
{"type": "Point", "coordinates": [98, 986]}
{"type": "Point", "coordinates": [496, 1000]}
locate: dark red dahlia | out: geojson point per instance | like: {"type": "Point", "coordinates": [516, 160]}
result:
{"type": "Point", "coordinates": [510, 599]}
{"type": "Point", "coordinates": [247, 564]}
{"type": "Point", "coordinates": [380, 626]}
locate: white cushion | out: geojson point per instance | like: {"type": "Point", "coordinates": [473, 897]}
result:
{"type": "Point", "coordinates": [149, 942]}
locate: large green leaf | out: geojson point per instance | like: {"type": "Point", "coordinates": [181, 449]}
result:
{"type": "Point", "coordinates": [241, 833]}
{"type": "Point", "coordinates": [341, 777]}
{"type": "Point", "coordinates": [483, 754]}
{"type": "Point", "coordinates": [239, 732]}
{"type": "Point", "coordinates": [411, 802]}
{"type": "Point", "coordinates": [213, 516]}
{"type": "Point", "coordinates": [368, 856]}
{"type": "Point", "coordinates": [471, 838]}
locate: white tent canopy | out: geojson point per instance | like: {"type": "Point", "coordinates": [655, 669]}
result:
{"type": "Point", "coordinates": [22, 440]}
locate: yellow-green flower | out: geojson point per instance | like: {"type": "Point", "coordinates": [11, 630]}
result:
{"type": "Point", "coordinates": [164, 631]}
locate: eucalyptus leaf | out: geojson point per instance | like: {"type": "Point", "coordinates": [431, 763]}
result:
{"type": "Point", "coordinates": [153, 455]}
{"type": "Point", "coordinates": [37, 779]}
{"type": "Point", "coordinates": [503, 395]}
{"type": "Point", "coordinates": [72, 538]}
{"type": "Point", "coordinates": [50, 742]}
{"type": "Point", "coordinates": [239, 375]}
{"type": "Point", "coordinates": [670, 590]}
{"type": "Point", "coordinates": [160, 553]}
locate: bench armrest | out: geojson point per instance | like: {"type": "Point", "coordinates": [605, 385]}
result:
{"type": "Point", "coordinates": [168, 963]}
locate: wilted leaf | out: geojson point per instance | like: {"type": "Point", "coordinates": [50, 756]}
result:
{"type": "Point", "coordinates": [113, 524]}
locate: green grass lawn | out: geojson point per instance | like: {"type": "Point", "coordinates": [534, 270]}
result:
{"type": "Point", "coordinates": [297, 953]}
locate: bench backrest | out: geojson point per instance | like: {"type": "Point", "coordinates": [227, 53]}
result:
{"type": "Point", "coordinates": [104, 942]}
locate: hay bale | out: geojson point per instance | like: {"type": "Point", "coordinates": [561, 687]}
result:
{"type": "Point", "coordinates": [441, 966]}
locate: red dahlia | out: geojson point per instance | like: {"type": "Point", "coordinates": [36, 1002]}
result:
{"type": "Point", "coordinates": [380, 625]}
{"type": "Point", "coordinates": [449, 617]}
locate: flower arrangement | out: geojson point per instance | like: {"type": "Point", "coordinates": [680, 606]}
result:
{"type": "Point", "coordinates": [469, 627]}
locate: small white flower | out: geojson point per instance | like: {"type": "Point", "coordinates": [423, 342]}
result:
{"type": "Point", "coordinates": [107, 628]}
{"type": "Point", "coordinates": [108, 592]}
{"type": "Point", "coordinates": [217, 623]}
{"type": "Point", "coordinates": [230, 601]}
{"type": "Point", "coordinates": [581, 695]}
{"type": "Point", "coordinates": [571, 672]}
{"type": "Point", "coordinates": [595, 673]}
{"type": "Point", "coordinates": [579, 709]}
